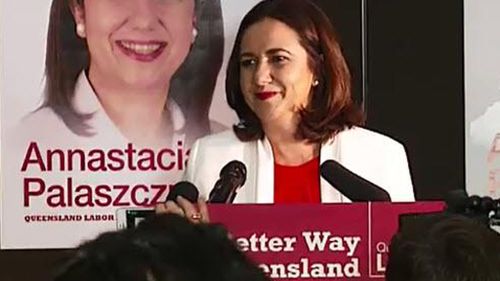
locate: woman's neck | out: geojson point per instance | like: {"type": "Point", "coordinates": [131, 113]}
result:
{"type": "Point", "coordinates": [287, 149]}
{"type": "Point", "coordinates": [139, 114]}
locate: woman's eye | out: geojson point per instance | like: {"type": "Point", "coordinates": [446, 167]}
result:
{"type": "Point", "coordinates": [247, 62]}
{"type": "Point", "coordinates": [279, 59]}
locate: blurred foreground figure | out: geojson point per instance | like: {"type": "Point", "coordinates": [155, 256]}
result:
{"type": "Point", "coordinates": [444, 247]}
{"type": "Point", "coordinates": [162, 248]}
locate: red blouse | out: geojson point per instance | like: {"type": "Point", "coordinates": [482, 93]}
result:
{"type": "Point", "coordinates": [297, 184]}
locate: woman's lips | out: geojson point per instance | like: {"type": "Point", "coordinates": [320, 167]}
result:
{"type": "Point", "coordinates": [265, 95]}
{"type": "Point", "coordinates": [143, 51]}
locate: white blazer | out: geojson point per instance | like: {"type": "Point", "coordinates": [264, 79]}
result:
{"type": "Point", "coordinates": [373, 156]}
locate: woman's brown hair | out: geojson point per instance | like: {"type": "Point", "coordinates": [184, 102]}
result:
{"type": "Point", "coordinates": [331, 108]}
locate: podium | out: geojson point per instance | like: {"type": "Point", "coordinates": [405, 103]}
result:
{"type": "Point", "coordinates": [309, 241]}
{"type": "Point", "coordinates": [318, 241]}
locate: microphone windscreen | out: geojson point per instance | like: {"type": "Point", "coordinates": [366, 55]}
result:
{"type": "Point", "coordinates": [231, 177]}
{"type": "Point", "coordinates": [185, 189]}
{"type": "Point", "coordinates": [456, 200]}
{"type": "Point", "coordinates": [235, 170]}
{"type": "Point", "coordinates": [352, 186]}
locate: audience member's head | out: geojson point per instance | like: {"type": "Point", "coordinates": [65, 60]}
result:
{"type": "Point", "coordinates": [162, 248]}
{"type": "Point", "coordinates": [444, 248]}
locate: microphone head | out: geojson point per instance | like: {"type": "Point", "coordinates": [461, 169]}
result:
{"type": "Point", "coordinates": [474, 203]}
{"type": "Point", "coordinates": [185, 189]}
{"type": "Point", "coordinates": [496, 205]}
{"type": "Point", "coordinates": [456, 201]}
{"type": "Point", "coordinates": [236, 171]}
{"type": "Point", "coordinates": [352, 186]}
{"type": "Point", "coordinates": [487, 205]}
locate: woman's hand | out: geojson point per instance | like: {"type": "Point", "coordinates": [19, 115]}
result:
{"type": "Point", "coordinates": [195, 213]}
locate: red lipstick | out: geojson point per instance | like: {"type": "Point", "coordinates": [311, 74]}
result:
{"type": "Point", "coordinates": [265, 95]}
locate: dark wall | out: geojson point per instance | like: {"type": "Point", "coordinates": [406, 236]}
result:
{"type": "Point", "coordinates": [414, 82]}
{"type": "Point", "coordinates": [415, 87]}
{"type": "Point", "coordinates": [346, 18]}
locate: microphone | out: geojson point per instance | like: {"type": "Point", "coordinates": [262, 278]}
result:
{"type": "Point", "coordinates": [457, 201]}
{"type": "Point", "coordinates": [185, 189]}
{"type": "Point", "coordinates": [232, 176]}
{"type": "Point", "coordinates": [352, 186]}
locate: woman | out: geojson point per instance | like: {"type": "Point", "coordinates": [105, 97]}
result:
{"type": "Point", "coordinates": [110, 65]}
{"type": "Point", "coordinates": [290, 86]}
{"type": "Point", "coordinates": [110, 133]}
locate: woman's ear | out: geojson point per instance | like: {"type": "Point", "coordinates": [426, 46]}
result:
{"type": "Point", "coordinates": [78, 12]}
{"type": "Point", "coordinates": [195, 30]}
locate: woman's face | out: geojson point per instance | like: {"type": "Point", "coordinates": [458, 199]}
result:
{"type": "Point", "coordinates": [136, 43]}
{"type": "Point", "coordinates": [275, 77]}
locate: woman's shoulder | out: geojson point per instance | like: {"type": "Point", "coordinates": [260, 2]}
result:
{"type": "Point", "coordinates": [42, 125]}
{"type": "Point", "coordinates": [217, 127]}
{"type": "Point", "coordinates": [217, 149]}
{"type": "Point", "coordinates": [379, 159]}
{"type": "Point", "coordinates": [45, 120]}
{"type": "Point", "coordinates": [43, 114]}
{"type": "Point", "coordinates": [223, 139]}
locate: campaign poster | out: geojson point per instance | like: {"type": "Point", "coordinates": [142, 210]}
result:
{"type": "Point", "coordinates": [81, 139]}
{"type": "Point", "coordinates": [482, 97]}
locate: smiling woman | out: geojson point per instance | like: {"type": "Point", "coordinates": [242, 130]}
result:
{"type": "Point", "coordinates": [275, 76]}
{"type": "Point", "coordinates": [125, 54]}
{"type": "Point", "coordinates": [289, 84]}
{"type": "Point", "coordinates": [117, 73]}
{"type": "Point", "coordinates": [134, 45]}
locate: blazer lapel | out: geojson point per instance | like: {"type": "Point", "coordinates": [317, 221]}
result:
{"type": "Point", "coordinates": [265, 171]}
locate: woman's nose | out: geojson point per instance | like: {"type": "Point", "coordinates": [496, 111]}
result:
{"type": "Point", "coordinates": [143, 14]}
{"type": "Point", "coordinates": [262, 75]}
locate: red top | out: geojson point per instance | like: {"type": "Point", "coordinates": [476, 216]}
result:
{"type": "Point", "coordinates": [297, 184]}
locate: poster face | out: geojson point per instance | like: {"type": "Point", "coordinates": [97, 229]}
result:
{"type": "Point", "coordinates": [482, 97]}
{"type": "Point", "coordinates": [98, 113]}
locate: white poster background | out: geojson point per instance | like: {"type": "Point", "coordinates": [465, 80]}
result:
{"type": "Point", "coordinates": [23, 40]}
{"type": "Point", "coordinates": [482, 94]}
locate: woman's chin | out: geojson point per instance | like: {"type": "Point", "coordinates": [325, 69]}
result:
{"type": "Point", "coordinates": [269, 118]}
{"type": "Point", "coordinates": [146, 82]}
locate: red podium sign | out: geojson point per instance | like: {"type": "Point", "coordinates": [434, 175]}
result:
{"type": "Point", "coordinates": [320, 241]}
